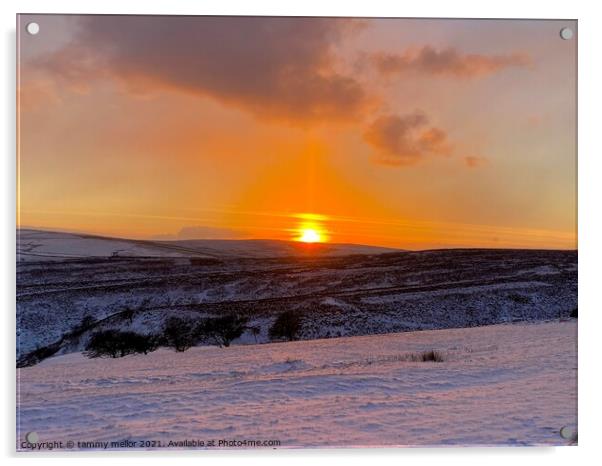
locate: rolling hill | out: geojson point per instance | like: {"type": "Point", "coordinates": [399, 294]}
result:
{"type": "Point", "coordinates": [39, 245]}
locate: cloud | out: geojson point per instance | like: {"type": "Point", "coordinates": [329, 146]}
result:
{"type": "Point", "coordinates": [446, 62]}
{"type": "Point", "coordinates": [534, 121]}
{"type": "Point", "coordinates": [36, 94]}
{"type": "Point", "coordinates": [280, 68]}
{"type": "Point", "coordinates": [283, 69]}
{"type": "Point", "coordinates": [404, 140]}
{"type": "Point", "coordinates": [474, 161]}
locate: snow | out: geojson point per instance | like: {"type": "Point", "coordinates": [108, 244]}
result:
{"type": "Point", "coordinates": [34, 246]}
{"type": "Point", "coordinates": [38, 246]}
{"type": "Point", "coordinates": [336, 296]}
{"type": "Point", "coordinates": [499, 385]}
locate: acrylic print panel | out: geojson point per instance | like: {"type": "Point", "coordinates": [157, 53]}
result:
{"type": "Point", "coordinates": [260, 232]}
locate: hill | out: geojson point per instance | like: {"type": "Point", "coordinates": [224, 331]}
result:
{"type": "Point", "coordinates": [39, 245]}
{"type": "Point", "coordinates": [497, 385]}
{"type": "Point", "coordinates": [61, 302]}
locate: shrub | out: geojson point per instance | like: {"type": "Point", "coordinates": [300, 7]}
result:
{"type": "Point", "coordinates": [520, 299]}
{"type": "Point", "coordinates": [86, 323]}
{"type": "Point", "coordinates": [430, 356]}
{"type": "Point", "coordinates": [179, 333]}
{"type": "Point", "coordinates": [255, 331]}
{"type": "Point", "coordinates": [144, 343]}
{"type": "Point", "coordinates": [103, 344]}
{"type": "Point", "coordinates": [222, 330]}
{"type": "Point", "coordinates": [38, 355]}
{"type": "Point", "coordinates": [116, 344]}
{"type": "Point", "coordinates": [574, 313]}
{"type": "Point", "coordinates": [286, 326]}
{"type": "Point", "coordinates": [201, 261]}
{"type": "Point", "coordinates": [128, 313]}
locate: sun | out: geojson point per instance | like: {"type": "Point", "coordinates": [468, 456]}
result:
{"type": "Point", "coordinates": [309, 235]}
{"type": "Point", "coordinates": [311, 228]}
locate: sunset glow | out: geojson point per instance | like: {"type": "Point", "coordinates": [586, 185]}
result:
{"type": "Point", "coordinates": [310, 236]}
{"type": "Point", "coordinates": [294, 228]}
{"type": "Point", "coordinates": [432, 135]}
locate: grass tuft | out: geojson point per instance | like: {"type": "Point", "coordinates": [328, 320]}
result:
{"type": "Point", "coordinates": [430, 356]}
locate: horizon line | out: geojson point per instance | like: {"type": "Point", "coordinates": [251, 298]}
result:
{"type": "Point", "coordinates": [325, 243]}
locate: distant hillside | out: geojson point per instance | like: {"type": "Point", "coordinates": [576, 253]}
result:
{"type": "Point", "coordinates": [61, 303]}
{"type": "Point", "coordinates": [38, 245]}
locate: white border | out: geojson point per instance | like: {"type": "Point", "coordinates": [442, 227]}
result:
{"type": "Point", "coordinates": [590, 231]}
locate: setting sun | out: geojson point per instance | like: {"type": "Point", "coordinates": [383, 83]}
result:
{"type": "Point", "coordinates": [294, 206]}
{"type": "Point", "coordinates": [310, 235]}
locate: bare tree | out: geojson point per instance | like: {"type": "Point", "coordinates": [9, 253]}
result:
{"type": "Point", "coordinates": [223, 330]}
{"type": "Point", "coordinates": [255, 331]}
{"type": "Point", "coordinates": [115, 344]}
{"type": "Point", "coordinates": [286, 326]}
{"type": "Point", "coordinates": [128, 313]}
{"type": "Point", "coordinates": [179, 333]}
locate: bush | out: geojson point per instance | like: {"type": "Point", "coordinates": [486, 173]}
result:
{"type": "Point", "coordinates": [116, 344]}
{"type": "Point", "coordinates": [86, 323]}
{"type": "Point", "coordinates": [222, 330]}
{"type": "Point", "coordinates": [144, 343]}
{"type": "Point", "coordinates": [574, 313]}
{"type": "Point", "coordinates": [255, 331]}
{"type": "Point", "coordinates": [179, 333]}
{"type": "Point", "coordinates": [201, 261]}
{"type": "Point", "coordinates": [38, 355]}
{"type": "Point", "coordinates": [105, 343]}
{"type": "Point", "coordinates": [286, 326]}
{"type": "Point", "coordinates": [520, 299]}
{"type": "Point", "coordinates": [429, 356]}
{"type": "Point", "coordinates": [128, 313]}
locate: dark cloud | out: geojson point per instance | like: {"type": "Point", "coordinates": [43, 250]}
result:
{"type": "Point", "coordinates": [281, 68]}
{"type": "Point", "coordinates": [404, 140]}
{"type": "Point", "coordinates": [449, 61]}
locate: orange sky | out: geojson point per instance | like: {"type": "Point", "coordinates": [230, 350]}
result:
{"type": "Point", "coordinates": [406, 133]}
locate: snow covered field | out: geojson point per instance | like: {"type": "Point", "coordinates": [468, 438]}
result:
{"type": "Point", "coordinates": [352, 295]}
{"type": "Point", "coordinates": [42, 246]}
{"type": "Point", "coordinates": [499, 385]}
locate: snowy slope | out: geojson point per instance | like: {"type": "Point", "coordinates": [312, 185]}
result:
{"type": "Point", "coordinates": [499, 385]}
{"type": "Point", "coordinates": [335, 296]}
{"type": "Point", "coordinates": [37, 245]}
{"type": "Point", "coordinates": [262, 248]}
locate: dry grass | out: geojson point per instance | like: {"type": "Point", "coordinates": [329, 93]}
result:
{"type": "Point", "coordinates": [428, 356]}
{"type": "Point", "coordinates": [424, 356]}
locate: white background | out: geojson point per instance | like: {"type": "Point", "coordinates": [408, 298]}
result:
{"type": "Point", "coordinates": [590, 234]}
